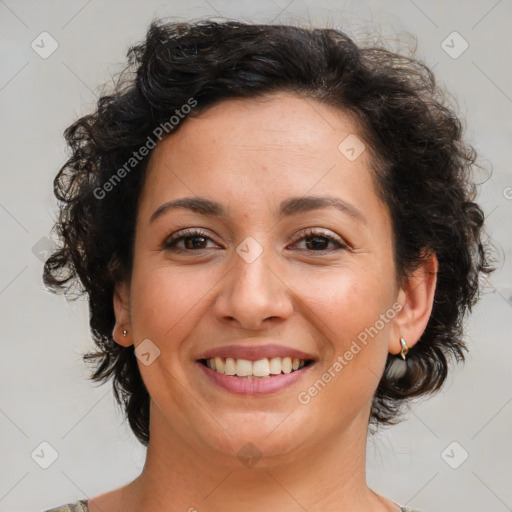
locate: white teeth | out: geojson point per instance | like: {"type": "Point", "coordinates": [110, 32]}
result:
{"type": "Point", "coordinates": [275, 366]}
{"type": "Point", "coordinates": [261, 368]}
{"type": "Point", "coordinates": [219, 364]}
{"type": "Point", "coordinates": [243, 367]}
{"type": "Point", "coordinates": [286, 365]}
{"type": "Point", "coordinates": [229, 366]}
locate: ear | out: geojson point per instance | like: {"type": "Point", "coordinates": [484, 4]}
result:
{"type": "Point", "coordinates": [417, 298]}
{"type": "Point", "coordinates": [122, 312]}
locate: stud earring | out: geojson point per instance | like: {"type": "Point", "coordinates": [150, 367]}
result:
{"type": "Point", "coordinates": [125, 332]}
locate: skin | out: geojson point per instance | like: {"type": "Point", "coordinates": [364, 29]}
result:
{"type": "Point", "coordinates": [249, 155]}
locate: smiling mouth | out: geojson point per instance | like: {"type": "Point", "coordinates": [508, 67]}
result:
{"type": "Point", "coordinates": [260, 369]}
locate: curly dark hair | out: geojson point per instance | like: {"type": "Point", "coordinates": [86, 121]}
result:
{"type": "Point", "coordinates": [422, 167]}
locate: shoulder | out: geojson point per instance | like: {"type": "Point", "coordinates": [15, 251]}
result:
{"type": "Point", "coordinates": [79, 506]}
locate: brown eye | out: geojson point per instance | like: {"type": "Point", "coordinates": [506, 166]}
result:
{"type": "Point", "coordinates": [193, 241]}
{"type": "Point", "coordinates": [317, 241]}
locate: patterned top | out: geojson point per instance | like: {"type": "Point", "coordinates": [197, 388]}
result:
{"type": "Point", "coordinates": [81, 506]}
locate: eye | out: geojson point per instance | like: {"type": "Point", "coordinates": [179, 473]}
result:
{"type": "Point", "coordinates": [317, 241]}
{"type": "Point", "coordinates": [193, 240]}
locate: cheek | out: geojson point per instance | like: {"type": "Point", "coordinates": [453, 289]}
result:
{"type": "Point", "coordinates": [166, 305]}
{"type": "Point", "coordinates": [345, 302]}
{"type": "Point", "coordinates": [354, 313]}
{"type": "Point", "coordinates": [166, 300]}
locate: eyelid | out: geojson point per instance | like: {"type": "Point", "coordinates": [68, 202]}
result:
{"type": "Point", "coordinates": [321, 232]}
{"type": "Point", "coordinates": [311, 231]}
{"type": "Point", "coordinates": [184, 233]}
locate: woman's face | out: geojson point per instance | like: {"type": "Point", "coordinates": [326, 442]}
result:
{"type": "Point", "coordinates": [274, 272]}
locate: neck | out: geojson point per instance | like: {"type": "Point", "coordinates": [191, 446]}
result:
{"type": "Point", "coordinates": [328, 476]}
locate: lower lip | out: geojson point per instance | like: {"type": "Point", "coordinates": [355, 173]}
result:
{"type": "Point", "coordinates": [254, 387]}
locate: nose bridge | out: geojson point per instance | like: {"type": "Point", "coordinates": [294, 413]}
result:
{"type": "Point", "coordinates": [252, 267]}
{"type": "Point", "coordinates": [251, 292]}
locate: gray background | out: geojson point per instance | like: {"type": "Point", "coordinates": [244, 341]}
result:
{"type": "Point", "coordinates": [46, 396]}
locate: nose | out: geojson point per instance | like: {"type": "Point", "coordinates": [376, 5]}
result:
{"type": "Point", "coordinates": [252, 295]}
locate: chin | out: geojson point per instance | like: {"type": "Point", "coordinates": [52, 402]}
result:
{"type": "Point", "coordinates": [258, 439]}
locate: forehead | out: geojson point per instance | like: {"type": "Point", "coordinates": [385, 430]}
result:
{"type": "Point", "coordinates": [280, 121]}
{"type": "Point", "coordinates": [250, 151]}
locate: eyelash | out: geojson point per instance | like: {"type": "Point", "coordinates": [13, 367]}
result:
{"type": "Point", "coordinates": [170, 242]}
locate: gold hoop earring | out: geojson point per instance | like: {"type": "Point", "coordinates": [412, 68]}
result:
{"type": "Point", "coordinates": [405, 348]}
{"type": "Point", "coordinates": [398, 368]}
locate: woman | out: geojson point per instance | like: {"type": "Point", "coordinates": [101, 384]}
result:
{"type": "Point", "coordinates": [277, 235]}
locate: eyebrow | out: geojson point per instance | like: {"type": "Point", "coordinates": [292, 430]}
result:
{"type": "Point", "coordinates": [288, 207]}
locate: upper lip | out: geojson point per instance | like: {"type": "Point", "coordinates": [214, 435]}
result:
{"type": "Point", "coordinates": [254, 352]}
